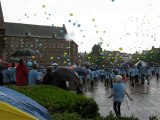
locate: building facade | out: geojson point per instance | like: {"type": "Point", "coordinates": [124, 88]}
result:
{"type": "Point", "coordinates": [48, 40]}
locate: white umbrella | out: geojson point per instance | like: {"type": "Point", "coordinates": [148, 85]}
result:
{"type": "Point", "coordinates": [54, 64]}
{"type": "Point", "coordinates": [141, 63]}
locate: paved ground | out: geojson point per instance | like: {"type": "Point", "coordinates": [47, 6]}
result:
{"type": "Point", "coordinates": [146, 99]}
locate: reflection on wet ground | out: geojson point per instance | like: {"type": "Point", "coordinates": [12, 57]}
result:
{"type": "Point", "coordinates": [146, 99]}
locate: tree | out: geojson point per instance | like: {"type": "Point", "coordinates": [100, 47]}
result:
{"type": "Point", "coordinates": [97, 49]}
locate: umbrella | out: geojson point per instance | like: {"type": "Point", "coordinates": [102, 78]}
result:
{"type": "Point", "coordinates": [14, 105]}
{"type": "Point", "coordinates": [54, 64]}
{"type": "Point", "coordinates": [153, 64]}
{"type": "Point", "coordinates": [140, 63]}
{"type": "Point", "coordinates": [26, 52]}
{"type": "Point", "coordinates": [80, 71]}
{"type": "Point", "coordinates": [61, 75]}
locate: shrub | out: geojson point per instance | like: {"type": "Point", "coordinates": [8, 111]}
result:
{"type": "Point", "coordinates": [112, 116]}
{"type": "Point", "coordinates": [59, 100]}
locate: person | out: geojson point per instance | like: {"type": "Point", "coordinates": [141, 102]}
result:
{"type": "Point", "coordinates": [46, 79]}
{"type": "Point", "coordinates": [1, 78]}
{"type": "Point", "coordinates": [148, 74]}
{"type": "Point", "coordinates": [12, 74]}
{"type": "Point", "coordinates": [34, 76]}
{"type": "Point", "coordinates": [157, 72]}
{"type": "Point", "coordinates": [107, 73]}
{"type": "Point", "coordinates": [21, 74]}
{"type": "Point", "coordinates": [142, 72]}
{"type": "Point", "coordinates": [118, 93]}
{"type": "Point", "coordinates": [5, 72]}
{"type": "Point", "coordinates": [132, 76]}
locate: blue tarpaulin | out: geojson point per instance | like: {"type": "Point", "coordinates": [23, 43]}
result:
{"type": "Point", "coordinates": [24, 103]}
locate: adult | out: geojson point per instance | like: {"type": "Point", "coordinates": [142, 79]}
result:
{"type": "Point", "coordinates": [148, 74]}
{"type": "Point", "coordinates": [5, 72]}
{"type": "Point", "coordinates": [21, 74]}
{"type": "Point", "coordinates": [118, 93]}
{"type": "Point", "coordinates": [142, 72]}
{"type": "Point", "coordinates": [157, 71]}
{"type": "Point", "coordinates": [34, 76]}
{"type": "Point", "coordinates": [12, 74]}
{"type": "Point", "coordinates": [47, 78]}
{"type": "Point", "coordinates": [1, 78]}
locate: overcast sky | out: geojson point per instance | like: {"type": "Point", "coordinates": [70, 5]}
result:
{"type": "Point", "coordinates": [126, 25]}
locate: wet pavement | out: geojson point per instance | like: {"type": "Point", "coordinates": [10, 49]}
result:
{"type": "Point", "coordinates": [146, 99]}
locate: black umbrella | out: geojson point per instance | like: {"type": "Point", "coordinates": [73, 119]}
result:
{"type": "Point", "coordinates": [26, 52]}
{"type": "Point", "coordinates": [80, 71]}
{"type": "Point", "coordinates": [61, 75]}
{"type": "Point", "coordinates": [153, 64]}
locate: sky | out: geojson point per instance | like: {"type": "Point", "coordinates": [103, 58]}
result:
{"type": "Point", "coordinates": [124, 25]}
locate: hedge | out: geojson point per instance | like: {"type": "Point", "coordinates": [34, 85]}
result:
{"type": "Point", "coordinates": [59, 100]}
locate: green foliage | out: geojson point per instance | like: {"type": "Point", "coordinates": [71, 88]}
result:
{"type": "Point", "coordinates": [153, 117]}
{"type": "Point", "coordinates": [59, 100]}
{"type": "Point", "coordinates": [112, 116]}
{"type": "Point", "coordinates": [66, 116]}
{"type": "Point", "coordinates": [97, 49]}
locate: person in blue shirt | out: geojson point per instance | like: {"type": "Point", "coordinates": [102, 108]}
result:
{"type": "Point", "coordinates": [12, 74]}
{"type": "Point", "coordinates": [34, 76]}
{"type": "Point", "coordinates": [118, 93]}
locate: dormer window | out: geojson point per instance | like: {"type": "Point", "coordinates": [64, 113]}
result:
{"type": "Point", "coordinates": [28, 34]}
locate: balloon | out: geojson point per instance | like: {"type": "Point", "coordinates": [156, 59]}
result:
{"type": "Point", "coordinates": [65, 53]}
{"type": "Point", "coordinates": [79, 25]}
{"type": "Point", "coordinates": [93, 19]}
{"type": "Point", "coordinates": [120, 48]}
{"type": "Point", "coordinates": [51, 58]}
{"type": "Point", "coordinates": [71, 14]}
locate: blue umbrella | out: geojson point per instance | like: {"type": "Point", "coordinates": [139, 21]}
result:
{"type": "Point", "coordinates": [23, 103]}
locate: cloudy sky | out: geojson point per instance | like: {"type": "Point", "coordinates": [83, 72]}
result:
{"type": "Point", "coordinates": [125, 25]}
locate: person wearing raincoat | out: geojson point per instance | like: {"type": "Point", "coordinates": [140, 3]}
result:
{"type": "Point", "coordinates": [21, 74]}
{"type": "Point", "coordinates": [118, 94]}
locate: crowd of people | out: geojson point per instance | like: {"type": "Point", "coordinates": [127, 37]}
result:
{"type": "Point", "coordinates": [22, 74]}
{"type": "Point", "coordinates": [136, 75]}
{"type": "Point", "coordinates": [29, 73]}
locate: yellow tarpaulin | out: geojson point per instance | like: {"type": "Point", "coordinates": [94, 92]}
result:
{"type": "Point", "coordinates": [8, 112]}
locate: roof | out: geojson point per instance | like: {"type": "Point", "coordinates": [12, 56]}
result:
{"type": "Point", "coordinates": [1, 18]}
{"type": "Point", "coordinates": [23, 30]}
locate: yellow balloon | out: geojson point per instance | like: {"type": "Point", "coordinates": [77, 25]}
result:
{"type": "Point", "coordinates": [65, 53]}
{"type": "Point", "coordinates": [120, 48]}
{"type": "Point", "coordinates": [51, 58]}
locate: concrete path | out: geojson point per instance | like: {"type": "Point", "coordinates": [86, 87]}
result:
{"type": "Point", "coordinates": [146, 99]}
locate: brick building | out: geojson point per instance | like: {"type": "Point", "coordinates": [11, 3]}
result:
{"type": "Point", "coordinates": [48, 40]}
